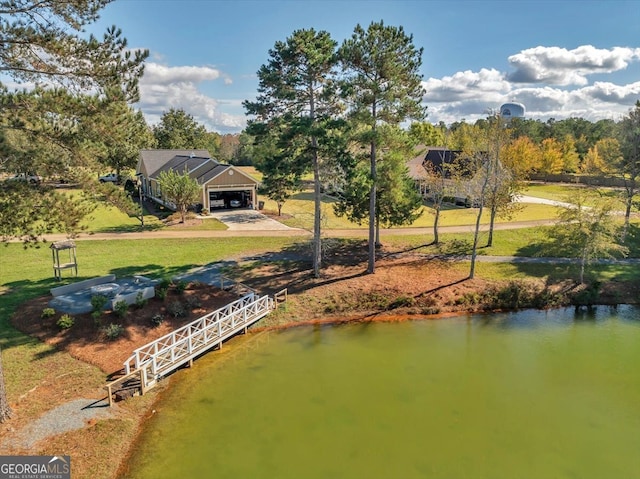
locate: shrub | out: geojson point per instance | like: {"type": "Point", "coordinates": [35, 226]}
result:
{"type": "Point", "coordinates": [141, 302]}
{"type": "Point", "coordinates": [181, 286]}
{"type": "Point", "coordinates": [469, 298]}
{"type": "Point", "coordinates": [48, 313]}
{"type": "Point", "coordinates": [162, 288]}
{"type": "Point", "coordinates": [157, 319]}
{"type": "Point", "coordinates": [177, 309]}
{"type": "Point", "coordinates": [161, 293]}
{"type": "Point", "coordinates": [587, 296]}
{"type": "Point", "coordinates": [97, 319]}
{"type": "Point", "coordinates": [193, 302]}
{"type": "Point", "coordinates": [113, 331]}
{"type": "Point", "coordinates": [65, 321]}
{"type": "Point", "coordinates": [121, 308]}
{"type": "Point", "coordinates": [402, 302]}
{"type": "Point", "coordinates": [98, 302]}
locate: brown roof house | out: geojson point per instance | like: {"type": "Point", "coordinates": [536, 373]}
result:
{"type": "Point", "coordinates": [461, 178]}
{"type": "Point", "coordinates": [223, 186]}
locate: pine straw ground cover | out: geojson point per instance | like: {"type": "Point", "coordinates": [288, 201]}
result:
{"type": "Point", "coordinates": [403, 286]}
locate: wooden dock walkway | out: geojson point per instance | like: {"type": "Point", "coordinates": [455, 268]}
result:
{"type": "Point", "coordinates": [159, 358]}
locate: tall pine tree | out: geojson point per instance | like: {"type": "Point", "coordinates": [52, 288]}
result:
{"type": "Point", "coordinates": [383, 85]}
{"type": "Point", "coordinates": [297, 94]}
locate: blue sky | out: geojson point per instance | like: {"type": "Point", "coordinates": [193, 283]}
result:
{"type": "Point", "coordinates": [558, 58]}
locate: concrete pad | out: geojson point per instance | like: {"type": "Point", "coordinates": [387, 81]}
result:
{"type": "Point", "coordinates": [248, 220]}
{"type": "Point", "coordinates": [79, 300]}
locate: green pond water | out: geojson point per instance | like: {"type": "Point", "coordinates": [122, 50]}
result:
{"type": "Point", "coordinates": [524, 395]}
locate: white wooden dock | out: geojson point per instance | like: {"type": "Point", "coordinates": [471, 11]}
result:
{"type": "Point", "coordinates": [159, 358]}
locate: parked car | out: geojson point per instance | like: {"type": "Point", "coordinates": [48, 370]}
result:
{"type": "Point", "coordinates": [110, 178]}
{"type": "Point", "coordinates": [30, 177]}
{"type": "Point", "coordinates": [235, 203]}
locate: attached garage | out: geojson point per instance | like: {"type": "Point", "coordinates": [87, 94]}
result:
{"type": "Point", "coordinates": [230, 188]}
{"type": "Point", "coordinates": [223, 186]}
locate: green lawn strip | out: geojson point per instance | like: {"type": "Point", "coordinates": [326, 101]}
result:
{"type": "Point", "coordinates": [564, 192]}
{"type": "Point", "coordinates": [297, 212]}
{"type": "Point", "coordinates": [207, 224]}
{"type": "Point", "coordinates": [516, 242]}
{"type": "Point", "coordinates": [557, 272]}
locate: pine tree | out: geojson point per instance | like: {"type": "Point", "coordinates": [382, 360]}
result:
{"type": "Point", "coordinates": [297, 95]}
{"type": "Point", "coordinates": [383, 85]}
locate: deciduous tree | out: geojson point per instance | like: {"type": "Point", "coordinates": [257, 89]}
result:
{"type": "Point", "coordinates": [178, 130]}
{"type": "Point", "coordinates": [629, 165]}
{"type": "Point", "coordinates": [179, 189]}
{"type": "Point", "coordinates": [551, 157]}
{"type": "Point", "coordinates": [587, 230]}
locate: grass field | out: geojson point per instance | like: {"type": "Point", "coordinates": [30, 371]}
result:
{"type": "Point", "coordinates": [564, 192]}
{"type": "Point", "coordinates": [297, 212]}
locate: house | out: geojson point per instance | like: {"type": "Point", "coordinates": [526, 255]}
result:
{"type": "Point", "coordinates": [223, 186]}
{"type": "Point", "coordinates": [459, 178]}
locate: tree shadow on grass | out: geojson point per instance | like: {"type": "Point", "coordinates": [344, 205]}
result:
{"type": "Point", "coordinates": [129, 228]}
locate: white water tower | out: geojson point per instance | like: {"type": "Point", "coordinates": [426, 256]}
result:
{"type": "Point", "coordinates": [512, 110]}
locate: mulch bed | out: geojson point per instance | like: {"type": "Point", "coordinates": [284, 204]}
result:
{"type": "Point", "coordinates": [86, 339]}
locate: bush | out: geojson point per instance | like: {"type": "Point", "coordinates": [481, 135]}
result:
{"type": "Point", "coordinates": [193, 302]}
{"type": "Point", "coordinates": [98, 302]}
{"type": "Point", "coordinates": [121, 308]}
{"type": "Point", "coordinates": [402, 302]}
{"type": "Point", "coordinates": [97, 319]}
{"type": "Point", "coordinates": [65, 321]}
{"type": "Point", "coordinates": [177, 309]}
{"type": "Point", "coordinates": [181, 286]}
{"type": "Point", "coordinates": [161, 293]}
{"type": "Point", "coordinates": [468, 299]}
{"type": "Point", "coordinates": [157, 319]}
{"type": "Point", "coordinates": [48, 313]}
{"type": "Point", "coordinates": [588, 296]}
{"type": "Point", "coordinates": [162, 288]}
{"type": "Point", "coordinates": [113, 331]}
{"type": "Point", "coordinates": [140, 301]}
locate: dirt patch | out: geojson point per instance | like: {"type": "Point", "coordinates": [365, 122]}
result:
{"type": "Point", "coordinates": [87, 340]}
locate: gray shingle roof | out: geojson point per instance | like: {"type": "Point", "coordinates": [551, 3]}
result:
{"type": "Point", "coordinates": [153, 160]}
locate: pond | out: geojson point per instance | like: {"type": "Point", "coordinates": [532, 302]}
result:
{"type": "Point", "coordinates": [522, 395]}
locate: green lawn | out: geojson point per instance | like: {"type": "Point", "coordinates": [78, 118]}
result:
{"type": "Point", "coordinates": [298, 213]}
{"type": "Point", "coordinates": [564, 192]}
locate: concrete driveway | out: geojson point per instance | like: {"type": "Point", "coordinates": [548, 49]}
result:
{"type": "Point", "coordinates": [248, 220]}
{"type": "Point", "coordinates": [541, 201]}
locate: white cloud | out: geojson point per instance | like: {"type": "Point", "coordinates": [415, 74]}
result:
{"type": "Point", "coordinates": [156, 73]}
{"type": "Point", "coordinates": [552, 74]}
{"type": "Point", "coordinates": [466, 84]}
{"type": "Point", "coordinates": [551, 82]}
{"type": "Point", "coordinates": [559, 66]}
{"type": "Point", "coordinates": [163, 87]}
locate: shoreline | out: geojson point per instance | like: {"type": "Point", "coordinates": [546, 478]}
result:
{"type": "Point", "coordinates": [257, 332]}
{"type": "Point", "coordinates": [309, 302]}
